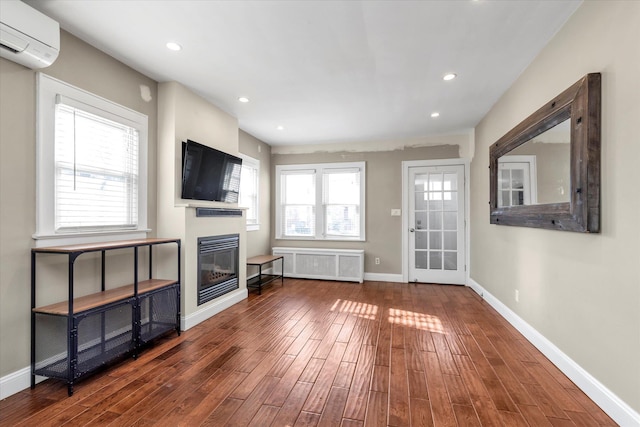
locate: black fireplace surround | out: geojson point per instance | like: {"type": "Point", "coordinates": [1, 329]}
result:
{"type": "Point", "coordinates": [217, 266]}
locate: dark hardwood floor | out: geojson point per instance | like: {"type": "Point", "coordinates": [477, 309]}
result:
{"type": "Point", "coordinates": [328, 354]}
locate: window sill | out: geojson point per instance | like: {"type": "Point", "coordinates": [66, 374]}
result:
{"type": "Point", "coordinates": [253, 227]}
{"type": "Point", "coordinates": [42, 240]}
{"type": "Point", "coordinates": [328, 239]}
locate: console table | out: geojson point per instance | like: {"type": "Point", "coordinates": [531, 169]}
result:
{"type": "Point", "coordinates": [72, 338]}
{"type": "Point", "coordinates": [262, 279]}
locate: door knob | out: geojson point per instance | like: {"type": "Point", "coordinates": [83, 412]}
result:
{"type": "Point", "coordinates": [412, 230]}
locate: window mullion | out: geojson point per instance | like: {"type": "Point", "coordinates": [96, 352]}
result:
{"type": "Point", "coordinates": [321, 211]}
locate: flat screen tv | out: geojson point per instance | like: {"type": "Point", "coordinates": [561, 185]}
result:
{"type": "Point", "coordinates": [209, 174]}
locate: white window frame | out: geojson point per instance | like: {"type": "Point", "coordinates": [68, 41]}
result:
{"type": "Point", "coordinates": [255, 164]}
{"type": "Point", "coordinates": [319, 208]}
{"type": "Point", "coordinates": [48, 88]}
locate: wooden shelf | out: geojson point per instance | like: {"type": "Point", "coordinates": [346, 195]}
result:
{"type": "Point", "coordinates": [263, 259]}
{"type": "Point", "coordinates": [88, 302]}
{"type": "Point", "coordinates": [91, 247]}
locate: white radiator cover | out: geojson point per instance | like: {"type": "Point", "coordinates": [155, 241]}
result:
{"type": "Point", "coordinates": [326, 264]}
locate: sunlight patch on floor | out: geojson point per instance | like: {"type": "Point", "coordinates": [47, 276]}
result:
{"type": "Point", "coordinates": [360, 309]}
{"type": "Point", "coordinates": [424, 322]}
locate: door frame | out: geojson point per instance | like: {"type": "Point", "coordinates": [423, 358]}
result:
{"type": "Point", "coordinates": [405, 208]}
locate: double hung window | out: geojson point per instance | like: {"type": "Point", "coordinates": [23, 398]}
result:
{"type": "Point", "coordinates": [91, 164]}
{"type": "Point", "coordinates": [321, 201]}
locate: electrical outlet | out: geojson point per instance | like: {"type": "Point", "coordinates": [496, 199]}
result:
{"type": "Point", "coordinates": [517, 295]}
{"type": "Point", "coordinates": [377, 260]}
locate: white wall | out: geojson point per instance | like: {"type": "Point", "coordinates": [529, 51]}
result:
{"type": "Point", "coordinates": [580, 291]}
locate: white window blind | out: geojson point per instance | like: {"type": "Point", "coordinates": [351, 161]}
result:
{"type": "Point", "coordinates": [96, 171]}
{"type": "Point", "coordinates": [249, 190]}
{"type": "Point", "coordinates": [321, 201]}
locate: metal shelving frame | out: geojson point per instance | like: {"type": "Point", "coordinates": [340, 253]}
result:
{"type": "Point", "coordinates": [79, 363]}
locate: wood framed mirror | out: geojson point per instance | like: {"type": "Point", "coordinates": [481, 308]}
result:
{"type": "Point", "coordinates": [545, 172]}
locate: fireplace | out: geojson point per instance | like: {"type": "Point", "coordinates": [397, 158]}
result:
{"type": "Point", "coordinates": [217, 266]}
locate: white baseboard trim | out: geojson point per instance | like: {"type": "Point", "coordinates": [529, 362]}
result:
{"type": "Point", "coordinates": [213, 308]}
{"type": "Point", "coordinates": [476, 287]}
{"type": "Point", "coordinates": [16, 381]}
{"type": "Point", "coordinates": [615, 407]}
{"type": "Point", "coordinates": [383, 277]}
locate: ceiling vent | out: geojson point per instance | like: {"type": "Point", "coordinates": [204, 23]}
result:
{"type": "Point", "coordinates": [27, 36]}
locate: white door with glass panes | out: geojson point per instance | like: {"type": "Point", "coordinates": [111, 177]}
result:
{"type": "Point", "coordinates": [436, 224]}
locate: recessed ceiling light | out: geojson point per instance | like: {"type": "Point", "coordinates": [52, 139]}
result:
{"type": "Point", "coordinates": [280, 127]}
{"type": "Point", "coordinates": [243, 99]}
{"type": "Point", "coordinates": [174, 46]}
{"type": "Point", "coordinates": [435, 114]}
{"type": "Point", "coordinates": [449, 76]}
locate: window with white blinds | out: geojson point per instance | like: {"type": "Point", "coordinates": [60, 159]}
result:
{"type": "Point", "coordinates": [96, 172]}
{"type": "Point", "coordinates": [322, 201]}
{"type": "Point", "coordinates": [91, 166]}
{"type": "Point", "coordinates": [250, 191]}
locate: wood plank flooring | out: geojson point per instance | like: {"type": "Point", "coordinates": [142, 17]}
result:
{"type": "Point", "coordinates": [315, 353]}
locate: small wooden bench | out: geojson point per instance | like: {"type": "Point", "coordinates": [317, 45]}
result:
{"type": "Point", "coordinates": [262, 279]}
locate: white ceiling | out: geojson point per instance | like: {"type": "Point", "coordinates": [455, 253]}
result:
{"type": "Point", "coordinates": [327, 71]}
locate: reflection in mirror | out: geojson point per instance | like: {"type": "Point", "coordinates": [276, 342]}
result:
{"type": "Point", "coordinates": [538, 171]}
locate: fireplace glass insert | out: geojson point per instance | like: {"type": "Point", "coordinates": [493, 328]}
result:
{"type": "Point", "coordinates": [217, 266]}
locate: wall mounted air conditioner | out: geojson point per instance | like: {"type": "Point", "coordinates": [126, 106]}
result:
{"type": "Point", "coordinates": [27, 36]}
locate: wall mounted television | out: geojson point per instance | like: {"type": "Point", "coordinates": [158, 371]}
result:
{"type": "Point", "coordinates": [209, 174]}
